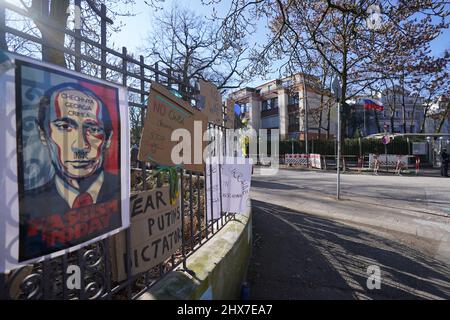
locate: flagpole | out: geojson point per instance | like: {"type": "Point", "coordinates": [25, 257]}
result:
{"type": "Point", "coordinates": [338, 160]}
{"type": "Point", "coordinates": [365, 129]}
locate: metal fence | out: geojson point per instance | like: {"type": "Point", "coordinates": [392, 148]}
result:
{"type": "Point", "coordinates": [47, 280]}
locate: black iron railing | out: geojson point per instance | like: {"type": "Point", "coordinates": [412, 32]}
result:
{"type": "Point", "coordinates": [48, 279]}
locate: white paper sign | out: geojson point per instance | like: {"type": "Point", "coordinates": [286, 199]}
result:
{"type": "Point", "coordinates": [213, 193]}
{"type": "Point", "coordinates": [236, 180]}
{"type": "Point", "coordinates": [232, 194]}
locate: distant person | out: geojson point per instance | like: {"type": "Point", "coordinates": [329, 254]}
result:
{"type": "Point", "coordinates": [399, 166]}
{"type": "Point", "coordinates": [444, 163]}
{"type": "Point", "coordinates": [376, 166]}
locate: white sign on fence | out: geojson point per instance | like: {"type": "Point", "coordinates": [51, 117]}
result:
{"type": "Point", "coordinates": [212, 189]}
{"type": "Point", "coordinates": [236, 180]}
{"type": "Point", "coordinates": [230, 192]}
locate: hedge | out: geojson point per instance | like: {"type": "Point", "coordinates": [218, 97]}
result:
{"type": "Point", "coordinates": [349, 147]}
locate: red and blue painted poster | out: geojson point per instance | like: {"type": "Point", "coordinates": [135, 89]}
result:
{"type": "Point", "coordinates": [66, 161]}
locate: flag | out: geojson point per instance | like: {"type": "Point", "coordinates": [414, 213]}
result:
{"type": "Point", "coordinates": [237, 109]}
{"type": "Point", "coordinates": [373, 104]}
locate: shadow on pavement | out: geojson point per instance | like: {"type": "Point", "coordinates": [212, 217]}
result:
{"type": "Point", "coordinates": [309, 257]}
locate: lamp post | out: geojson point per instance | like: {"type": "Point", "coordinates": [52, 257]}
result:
{"type": "Point", "coordinates": [337, 91]}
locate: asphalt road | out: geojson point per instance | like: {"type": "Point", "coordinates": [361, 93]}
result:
{"type": "Point", "coordinates": [425, 193]}
{"type": "Point", "coordinates": [307, 245]}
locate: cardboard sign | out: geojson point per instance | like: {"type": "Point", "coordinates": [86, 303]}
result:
{"type": "Point", "coordinates": [166, 113]}
{"type": "Point", "coordinates": [64, 162]}
{"type": "Point", "coordinates": [210, 102]}
{"type": "Point", "coordinates": [155, 232]}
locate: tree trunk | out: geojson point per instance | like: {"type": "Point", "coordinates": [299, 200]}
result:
{"type": "Point", "coordinates": [328, 122]}
{"type": "Point", "coordinates": [402, 81]}
{"type": "Point", "coordinates": [319, 131]}
{"type": "Point", "coordinates": [445, 116]}
{"type": "Point", "coordinates": [58, 16]}
{"type": "Point", "coordinates": [422, 126]}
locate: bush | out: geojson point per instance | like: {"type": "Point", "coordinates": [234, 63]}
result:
{"type": "Point", "coordinates": [350, 147]}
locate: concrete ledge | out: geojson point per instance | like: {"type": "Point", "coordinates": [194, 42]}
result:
{"type": "Point", "coordinates": [219, 267]}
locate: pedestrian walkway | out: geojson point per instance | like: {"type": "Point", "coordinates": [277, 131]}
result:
{"type": "Point", "coordinates": [299, 256]}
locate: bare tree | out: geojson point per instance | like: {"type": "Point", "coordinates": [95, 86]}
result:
{"type": "Point", "coordinates": [444, 114]}
{"type": "Point", "coordinates": [48, 19]}
{"type": "Point", "coordinates": [432, 84]}
{"type": "Point", "coordinates": [56, 16]}
{"type": "Point", "coordinates": [194, 47]}
{"type": "Point", "coordinates": [339, 28]}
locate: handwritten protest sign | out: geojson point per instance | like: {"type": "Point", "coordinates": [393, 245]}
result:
{"type": "Point", "coordinates": [166, 113]}
{"type": "Point", "coordinates": [236, 180]}
{"type": "Point", "coordinates": [232, 194]}
{"type": "Point", "coordinates": [213, 190]}
{"type": "Point", "coordinates": [155, 232]}
{"type": "Point", "coordinates": [210, 102]}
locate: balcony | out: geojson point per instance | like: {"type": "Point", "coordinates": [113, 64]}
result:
{"type": "Point", "coordinates": [270, 112]}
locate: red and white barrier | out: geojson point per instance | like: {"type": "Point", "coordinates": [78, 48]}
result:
{"type": "Point", "coordinates": [390, 160]}
{"type": "Point", "coordinates": [302, 160]}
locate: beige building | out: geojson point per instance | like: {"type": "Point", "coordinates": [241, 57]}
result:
{"type": "Point", "coordinates": [281, 103]}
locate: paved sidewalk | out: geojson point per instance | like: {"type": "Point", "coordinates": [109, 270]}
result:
{"type": "Point", "coordinates": [299, 256]}
{"type": "Point", "coordinates": [309, 245]}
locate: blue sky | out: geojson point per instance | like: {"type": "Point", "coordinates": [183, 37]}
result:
{"type": "Point", "coordinates": [137, 28]}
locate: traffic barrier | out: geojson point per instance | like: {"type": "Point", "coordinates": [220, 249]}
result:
{"type": "Point", "coordinates": [388, 160]}
{"type": "Point", "coordinates": [311, 160]}
{"type": "Point", "coordinates": [347, 162]}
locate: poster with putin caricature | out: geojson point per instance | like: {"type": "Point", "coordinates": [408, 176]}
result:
{"type": "Point", "coordinates": [72, 153]}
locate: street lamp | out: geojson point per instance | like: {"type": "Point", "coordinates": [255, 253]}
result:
{"type": "Point", "coordinates": [337, 91]}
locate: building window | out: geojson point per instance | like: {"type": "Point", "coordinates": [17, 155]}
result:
{"type": "Point", "coordinates": [269, 87]}
{"type": "Point", "coordinates": [244, 108]}
{"type": "Point", "coordinates": [269, 104]}
{"type": "Point", "coordinates": [293, 99]}
{"type": "Point", "coordinates": [293, 120]}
